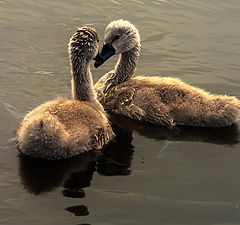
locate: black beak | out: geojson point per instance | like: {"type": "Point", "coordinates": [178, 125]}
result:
{"type": "Point", "coordinates": [106, 52]}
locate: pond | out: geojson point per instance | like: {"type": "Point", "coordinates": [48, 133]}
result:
{"type": "Point", "coordinates": [148, 174]}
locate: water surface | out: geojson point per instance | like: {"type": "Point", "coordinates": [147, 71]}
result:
{"type": "Point", "coordinates": [149, 175]}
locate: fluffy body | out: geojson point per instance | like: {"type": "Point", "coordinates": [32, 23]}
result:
{"type": "Point", "coordinates": [64, 128]}
{"type": "Point", "coordinates": [169, 101]}
{"type": "Point", "coordinates": [160, 100]}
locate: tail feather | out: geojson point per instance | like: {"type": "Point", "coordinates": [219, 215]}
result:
{"type": "Point", "coordinates": [228, 109]}
{"type": "Point", "coordinates": [222, 111]}
{"type": "Point", "coordinates": [43, 138]}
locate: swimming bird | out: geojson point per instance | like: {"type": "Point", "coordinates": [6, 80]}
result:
{"type": "Point", "coordinates": [63, 128]}
{"type": "Point", "coordinates": [159, 100]}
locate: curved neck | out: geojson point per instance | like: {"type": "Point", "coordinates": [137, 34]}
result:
{"type": "Point", "coordinates": [126, 65]}
{"type": "Point", "coordinates": [82, 83]}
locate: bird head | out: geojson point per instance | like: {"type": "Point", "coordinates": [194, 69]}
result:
{"type": "Point", "coordinates": [84, 43]}
{"type": "Point", "coordinates": [120, 36]}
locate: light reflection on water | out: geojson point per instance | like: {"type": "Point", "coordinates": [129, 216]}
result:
{"type": "Point", "coordinates": [149, 175]}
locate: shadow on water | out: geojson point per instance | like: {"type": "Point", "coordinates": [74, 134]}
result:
{"type": "Point", "coordinates": [221, 136]}
{"type": "Point", "coordinates": [40, 176]}
{"type": "Point", "coordinates": [117, 154]}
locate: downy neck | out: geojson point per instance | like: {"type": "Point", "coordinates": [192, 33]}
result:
{"type": "Point", "coordinates": [126, 65]}
{"type": "Point", "coordinates": [82, 83]}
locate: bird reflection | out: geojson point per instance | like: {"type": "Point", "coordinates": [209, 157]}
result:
{"type": "Point", "coordinates": [117, 155]}
{"type": "Point", "coordinates": [74, 174]}
{"type": "Point", "coordinates": [223, 136]}
{"type": "Point", "coordinates": [78, 210]}
{"type": "Point", "coordinates": [77, 181]}
{"type": "Point", "coordinates": [39, 176]}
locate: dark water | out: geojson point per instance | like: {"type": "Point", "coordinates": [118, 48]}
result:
{"type": "Point", "coordinates": [148, 175]}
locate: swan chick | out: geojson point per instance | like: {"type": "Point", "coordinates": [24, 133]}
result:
{"type": "Point", "coordinates": [160, 100]}
{"type": "Point", "coordinates": [64, 128]}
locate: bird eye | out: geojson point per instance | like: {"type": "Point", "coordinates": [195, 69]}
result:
{"type": "Point", "coordinates": [116, 38]}
{"type": "Point", "coordinates": [97, 41]}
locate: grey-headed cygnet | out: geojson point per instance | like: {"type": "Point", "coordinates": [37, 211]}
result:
{"type": "Point", "coordinates": [160, 100]}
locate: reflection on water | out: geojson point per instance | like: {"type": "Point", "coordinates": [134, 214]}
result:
{"type": "Point", "coordinates": [78, 210]}
{"type": "Point", "coordinates": [225, 135]}
{"type": "Point", "coordinates": [147, 174]}
{"type": "Point", "coordinates": [39, 176]}
{"type": "Point", "coordinates": [117, 154]}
